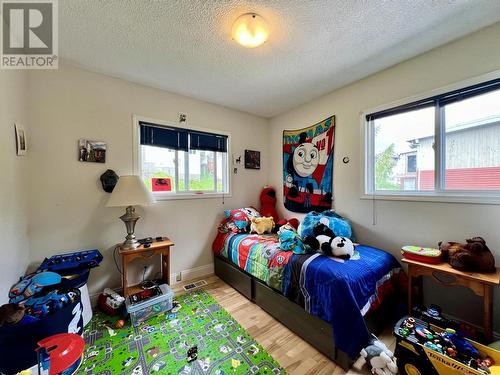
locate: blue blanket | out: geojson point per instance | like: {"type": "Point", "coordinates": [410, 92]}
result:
{"type": "Point", "coordinates": [340, 293]}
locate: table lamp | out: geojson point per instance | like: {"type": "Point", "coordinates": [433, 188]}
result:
{"type": "Point", "coordinates": [130, 191]}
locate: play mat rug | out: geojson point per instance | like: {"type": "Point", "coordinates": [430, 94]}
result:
{"type": "Point", "coordinates": [161, 344]}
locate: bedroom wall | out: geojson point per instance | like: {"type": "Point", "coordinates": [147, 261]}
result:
{"type": "Point", "coordinates": [14, 251]}
{"type": "Point", "coordinates": [399, 222]}
{"type": "Point", "coordinates": [67, 204]}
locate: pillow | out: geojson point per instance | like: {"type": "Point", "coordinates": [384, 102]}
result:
{"type": "Point", "coordinates": [340, 226]}
{"type": "Point", "coordinates": [250, 212]}
{"type": "Point", "coordinates": [241, 217]}
{"type": "Point", "coordinates": [238, 220]}
{"type": "Point", "coordinates": [228, 226]}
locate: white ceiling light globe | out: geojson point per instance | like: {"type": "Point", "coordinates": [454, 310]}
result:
{"type": "Point", "coordinates": [250, 30]}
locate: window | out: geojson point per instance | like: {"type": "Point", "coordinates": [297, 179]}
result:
{"type": "Point", "coordinates": [396, 138]}
{"type": "Point", "coordinates": [177, 162]}
{"type": "Point", "coordinates": [445, 145]}
{"type": "Point", "coordinates": [411, 163]}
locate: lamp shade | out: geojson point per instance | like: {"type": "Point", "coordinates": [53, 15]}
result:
{"type": "Point", "coordinates": [130, 191]}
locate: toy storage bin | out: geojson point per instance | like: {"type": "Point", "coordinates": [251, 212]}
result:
{"type": "Point", "coordinates": [142, 311]}
{"type": "Point", "coordinates": [76, 278]}
{"type": "Point", "coordinates": [18, 342]}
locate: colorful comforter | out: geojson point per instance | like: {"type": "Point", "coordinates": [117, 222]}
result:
{"type": "Point", "coordinates": [339, 292]}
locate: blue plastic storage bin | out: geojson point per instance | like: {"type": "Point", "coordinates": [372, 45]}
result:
{"type": "Point", "coordinates": [142, 311]}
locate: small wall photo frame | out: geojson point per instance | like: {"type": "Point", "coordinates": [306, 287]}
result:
{"type": "Point", "coordinates": [91, 151]}
{"type": "Point", "coordinates": [252, 159]}
{"type": "Point", "coordinates": [21, 145]}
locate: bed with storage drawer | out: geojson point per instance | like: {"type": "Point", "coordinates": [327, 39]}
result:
{"type": "Point", "coordinates": [333, 304]}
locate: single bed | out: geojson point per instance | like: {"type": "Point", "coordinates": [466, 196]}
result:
{"type": "Point", "coordinates": [325, 301]}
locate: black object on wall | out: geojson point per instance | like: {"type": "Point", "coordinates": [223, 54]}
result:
{"type": "Point", "coordinates": [109, 180]}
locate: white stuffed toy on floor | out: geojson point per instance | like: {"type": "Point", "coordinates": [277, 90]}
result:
{"type": "Point", "coordinates": [380, 359]}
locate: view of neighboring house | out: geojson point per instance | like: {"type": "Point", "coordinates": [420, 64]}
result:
{"type": "Point", "coordinates": [472, 158]}
{"type": "Point", "coordinates": [200, 174]}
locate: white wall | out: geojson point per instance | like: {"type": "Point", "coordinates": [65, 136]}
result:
{"type": "Point", "coordinates": [67, 204]}
{"type": "Point", "coordinates": [399, 223]}
{"type": "Point", "coordinates": [14, 251]}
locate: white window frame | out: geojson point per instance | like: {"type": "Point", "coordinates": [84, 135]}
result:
{"type": "Point", "coordinates": [439, 194]}
{"type": "Point", "coordinates": [137, 161]}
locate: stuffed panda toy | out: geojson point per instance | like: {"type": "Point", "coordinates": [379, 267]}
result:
{"type": "Point", "coordinates": [340, 247]}
{"type": "Point", "coordinates": [325, 240]}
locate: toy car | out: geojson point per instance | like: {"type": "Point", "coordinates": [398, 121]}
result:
{"type": "Point", "coordinates": [426, 349]}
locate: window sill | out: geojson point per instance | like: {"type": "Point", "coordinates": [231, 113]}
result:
{"type": "Point", "coordinates": [434, 197]}
{"type": "Point", "coordinates": [168, 197]}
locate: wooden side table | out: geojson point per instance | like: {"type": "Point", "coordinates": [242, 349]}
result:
{"type": "Point", "coordinates": [161, 248]}
{"type": "Point", "coordinates": [480, 283]}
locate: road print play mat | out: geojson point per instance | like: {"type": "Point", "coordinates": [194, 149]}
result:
{"type": "Point", "coordinates": [161, 344]}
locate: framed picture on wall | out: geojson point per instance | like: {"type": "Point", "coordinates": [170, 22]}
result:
{"type": "Point", "coordinates": [91, 151]}
{"type": "Point", "coordinates": [252, 159]}
{"type": "Point", "coordinates": [21, 145]}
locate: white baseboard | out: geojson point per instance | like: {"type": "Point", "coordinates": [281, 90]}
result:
{"type": "Point", "coordinates": [187, 275]}
{"type": "Point", "coordinates": [192, 273]}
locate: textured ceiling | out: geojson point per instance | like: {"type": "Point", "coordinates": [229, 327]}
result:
{"type": "Point", "coordinates": [314, 47]}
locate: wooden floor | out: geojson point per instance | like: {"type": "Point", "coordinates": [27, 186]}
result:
{"type": "Point", "coordinates": [292, 353]}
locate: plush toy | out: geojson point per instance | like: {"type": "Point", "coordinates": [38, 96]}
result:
{"type": "Point", "coordinates": [380, 359]}
{"type": "Point", "coordinates": [325, 240]}
{"type": "Point", "coordinates": [268, 208]}
{"type": "Point", "coordinates": [261, 225]}
{"type": "Point", "coordinates": [268, 203]}
{"type": "Point", "coordinates": [472, 256]}
{"type": "Point", "coordinates": [342, 247]}
{"type": "Point", "coordinates": [238, 221]}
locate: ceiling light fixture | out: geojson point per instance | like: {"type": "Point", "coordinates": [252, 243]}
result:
{"type": "Point", "coordinates": [250, 30]}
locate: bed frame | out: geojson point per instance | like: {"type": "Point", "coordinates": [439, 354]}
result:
{"type": "Point", "coordinates": [315, 331]}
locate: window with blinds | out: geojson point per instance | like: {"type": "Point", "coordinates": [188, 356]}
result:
{"type": "Point", "coordinates": [175, 161]}
{"type": "Point", "coordinates": [444, 145]}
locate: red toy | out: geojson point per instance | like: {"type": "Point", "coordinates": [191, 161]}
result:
{"type": "Point", "coordinates": [61, 354]}
{"type": "Point", "coordinates": [268, 208]}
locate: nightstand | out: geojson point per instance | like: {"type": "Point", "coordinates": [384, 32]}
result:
{"type": "Point", "coordinates": [161, 248]}
{"type": "Point", "coordinates": [480, 283]}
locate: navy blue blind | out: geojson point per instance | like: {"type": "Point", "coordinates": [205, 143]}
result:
{"type": "Point", "coordinates": [440, 100]}
{"type": "Point", "coordinates": [468, 92]}
{"type": "Point", "coordinates": [207, 141]}
{"type": "Point", "coordinates": [173, 138]}
{"type": "Point", "coordinates": [177, 138]}
{"type": "Point", "coordinates": [401, 109]}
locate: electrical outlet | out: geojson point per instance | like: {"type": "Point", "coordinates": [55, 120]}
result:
{"type": "Point", "coordinates": [178, 277]}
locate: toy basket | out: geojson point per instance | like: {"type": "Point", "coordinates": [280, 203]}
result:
{"type": "Point", "coordinates": [415, 358]}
